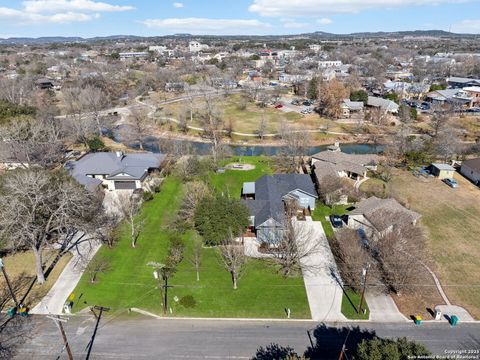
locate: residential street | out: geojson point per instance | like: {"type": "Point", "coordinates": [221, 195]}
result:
{"type": "Point", "coordinates": [146, 338]}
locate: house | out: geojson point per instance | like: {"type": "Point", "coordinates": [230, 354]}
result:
{"type": "Point", "coordinates": [195, 46]}
{"type": "Point", "coordinates": [133, 55]}
{"type": "Point", "coordinates": [455, 82]}
{"type": "Point", "coordinates": [339, 164]}
{"type": "Point", "coordinates": [450, 96]}
{"type": "Point", "coordinates": [115, 171]}
{"type": "Point", "coordinates": [266, 197]}
{"type": "Point", "coordinates": [384, 104]}
{"type": "Point", "coordinates": [45, 84]}
{"type": "Point", "coordinates": [377, 216]}
{"type": "Point", "coordinates": [471, 170]}
{"type": "Point", "coordinates": [442, 171]}
{"type": "Point", "coordinates": [349, 107]}
{"type": "Point", "coordinates": [329, 64]}
{"type": "Point", "coordinates": [474, 93]}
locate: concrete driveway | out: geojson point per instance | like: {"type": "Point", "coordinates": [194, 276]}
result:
{"type": "Point", "coordinates": [322, 281]}
{"type": "Point", "coordinates": [383, 308]}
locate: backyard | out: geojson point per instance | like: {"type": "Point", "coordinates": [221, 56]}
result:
{"type": "Point", "coordinates": [262, 292]}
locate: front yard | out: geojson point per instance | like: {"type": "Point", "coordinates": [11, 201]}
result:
{"type": "Point", "coordinates": [262, 292]}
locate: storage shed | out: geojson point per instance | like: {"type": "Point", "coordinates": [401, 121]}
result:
{"type": "Point", "coordinates": [442, 171]}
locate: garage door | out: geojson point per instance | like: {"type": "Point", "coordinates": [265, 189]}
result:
{"type": "Point", "coordinates": [125, 185]}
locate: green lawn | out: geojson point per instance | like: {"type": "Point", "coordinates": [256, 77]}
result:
{"type": "Point", "coordinates": [262, 292]}
{"type": "Point", "coordinates": [350, 303]}
{"type": "Point", "coordinates": [322, 210]}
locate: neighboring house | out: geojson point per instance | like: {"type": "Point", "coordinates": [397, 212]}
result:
{"type": "Point", "coordinates": [384, 104]}
{"type": "Point", "coordinates": [266, 198]}
{"type": "Point", "coordinates": [339, 164]}
{"type": "Point", "coordinates": [459, 83]}
{"type": "Point", "coordinates": [450, 96]}
{"type": "Point", "coordinates": [45, 84]}
{"type": "Point", "coordinates": [471, 170]}
{"type": "Point", "coordinates": [133, 55]}
{"type": "Point", "coordinates": [195, 46]}
{"type": "Point", "coordinates": [115, 171]}
{"type": "Point", "coordinates": [377, 216]}
{"type": "Point", "coordinates": [351, 107]}
{"type": "Point", "coordinates": [442, 171]}
{"type": "Point", "coordinates": [474, 93]}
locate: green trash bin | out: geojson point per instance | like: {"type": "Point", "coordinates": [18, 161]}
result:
{"type": "Point", "coordinates": [454, 320]}
{"type": "Point", "coordinates": [11, 312]}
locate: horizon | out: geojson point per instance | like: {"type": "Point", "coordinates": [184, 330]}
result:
{"type": "Point", "coordinates": [92, 18]}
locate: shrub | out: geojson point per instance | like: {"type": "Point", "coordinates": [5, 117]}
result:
{"type": "Point", "coordinates": [188, 301]}
{"type": "Point", "coordinates": [147, 196]}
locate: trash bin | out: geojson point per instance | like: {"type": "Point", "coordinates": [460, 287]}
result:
{"type": "Point", "coordinates": [438, 315]}
{"type": "Point", "coordinates": [418, 320]}
{"type": "Point", "coordinates": [453, 320]}
{"type": "Point", "coordinates": [11, 312]}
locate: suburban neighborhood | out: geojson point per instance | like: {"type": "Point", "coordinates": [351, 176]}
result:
{"type": "Point", "coordinates": [203, 191]}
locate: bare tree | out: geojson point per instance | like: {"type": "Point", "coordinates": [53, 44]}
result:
{"type": "Point", "coordinates": [96, 266]}
{"type": "Point", "coordinates": [212, 123]}
{"type": "Point", "coordinates": [17, 91]}
{"type": "Point", "coordinates": [377, 116]}
{"type": "Point", "coordinates": [129, 205]}
{"type": "Point", "coordinates": [39, 207]}
{"type": "Point", "coordinates": [294, 241]}
{"type": "Point", "coordinates": [296, 143]}
{"type": "Point", "coordinates": [233, 259]}
{"type": "Point", "coordinates": [196, 256]}
{"type": "Point", "coordinates": [262, 126]}
{"type": "Point", "coordinates": [94, 100]}
{"type": "Point", "coordinates": [332, 187]}
{"type": "Point", "coordinates": [197, 190]}
{"type": "Point", "coordinates": [138, 127]}
{"type": "Point", "coordinates": [81, 126]}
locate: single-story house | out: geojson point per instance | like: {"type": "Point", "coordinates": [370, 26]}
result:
{"type": "Point", "coordinates": [456, 82]}
{"type": "Point", "coordinates": [337, 163]}
{"type": "Point", "coordinates": [450, 96]}
{"type": "Point", "coordinates": [377, 216]}
{"type": "Point", "coordinates": [115, 171]}
{"type": "Point", "coordinates": [471, 170]}
{"type": "Point", "coordinates": [474, 93]}
{"type": "Point", "coordinates": [442, 171]}
{"type": "Point", "coordinates": [384, 104]}
{"type": "Point", "coordinates": [350, 107]}
{"type": "Point", "coordinates": [266, 199]}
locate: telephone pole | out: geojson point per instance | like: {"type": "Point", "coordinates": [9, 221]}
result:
{"type": "Point", "coordinates": [8, 284]}
{"type": "Point", "coordinates": [90, 344]}
{"type": "Point", "coordinates": [58, 321]}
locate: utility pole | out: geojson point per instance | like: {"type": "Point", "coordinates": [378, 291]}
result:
{"type": "Point", "coordinates": [58, 321]}
{"type": "Point", "coordinates": [344, 346]}
{"type": "Point", "coordinates": [365, 273]}
{"type": "Point", "coordinates": [8, 284]}
{"type": "Point", "coordinates": [90, 344]}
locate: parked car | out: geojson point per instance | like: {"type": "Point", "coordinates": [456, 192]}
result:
{"type": "Point", "coordinates": [336, 221]}
{"type": "Point", "coordinates": [279, 106]}
{"type": "Point", "coordinates": [451, 182]}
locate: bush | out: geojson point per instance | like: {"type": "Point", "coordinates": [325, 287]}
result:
{"type": "Point", "coordinates": [188, 301]}
{"type": "Point", "coordinates": [398, 349]}
{"type": "Point", "coordinates": [147, 196]}
{"type": "Point", "coordinates": [96, 144]}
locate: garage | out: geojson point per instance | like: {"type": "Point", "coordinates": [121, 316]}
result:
{"type": "Point", "coordinates": [125, 185]}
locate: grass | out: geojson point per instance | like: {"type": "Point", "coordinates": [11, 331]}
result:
{"type": "Point", "coordinates": [374, 186]}
{"type": "Point", "coordinates": [262, 292]}
{"type": "Point", "coordinates": [21, 269]}
{"type": "Point", "coordinates": [322, 211]}
{"type": "Point", "coordinates": [350, 303]}
{"type": "Point", "coordinates": [451, 218]}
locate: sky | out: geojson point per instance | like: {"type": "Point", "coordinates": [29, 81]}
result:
{"type": "Point", "coordinates": [89, 18]}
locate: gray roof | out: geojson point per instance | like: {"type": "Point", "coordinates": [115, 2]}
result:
{"type": "Point", "coordinates": [113, 166]}
{"type": "Point", "coordinates": [385, 104]}
{"type": "Point", "coordinates": [461, 80]}
{"type": "Point", "coordinates": [269, 193]}
{"type": "Point", "coordinates": [353, 105]}
{"type": "Point", "coordinates": [336, 161]}
{"type": "Point", "coordinates": [473, 164]}
{"type": "Point", "coordinates": [441, 166]}
{"type": "Point", "coordinates": [383, 213]}
{"type": "Point", "coordinates": [248, 188]}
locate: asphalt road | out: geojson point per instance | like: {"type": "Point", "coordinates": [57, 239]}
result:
{"type": "Point", "coordinates": [146, 338]}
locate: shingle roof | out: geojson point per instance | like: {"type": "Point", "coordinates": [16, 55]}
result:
{"type": "Point", "coordinates": [473, 164]}
{"type": "Point", "coordinates": [136, 165]}
{"type": "Point", "coordinates": [336, 161]}
{"type": "Point", "coordinates": [383, 213]}
{"type": "Point", "coordinates": [387, 105]}
{"type": "Point", "coordinates": [269, 191]}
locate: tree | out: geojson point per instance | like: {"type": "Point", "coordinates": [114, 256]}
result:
{"type": "Point", "coordinates": [233, 259]}
{"type": "Point", "coordinates": [197, 190]}
{"type": "Point", "coordinates": [212, 123]}
{"type": "Point", "coordinates": [294, 241]}
{"type": "Point", "coordinates": [93, 100]}
{"type": "Point", "coordinates": [218, 217]}
{"type": "Point", "coordinates": [262, 126]}
{"type": "Point", "coordinates": [129, 205]}
{"type": "Point", "coordinates": [97, 265]}
{"type": "Point", "coordinates": [312, 93]}
{"type": "Point", "coordinates": [296, 144]}
{"type": "Point", "coordinates": [138, 127]}
{"type": "Point", "coordinates": [276, 352]}
{"type": "Point", "coordinates": [359, 95]}
{"type": "Point", "coordinates": [390, 349]}
{"type": "Point", "coordinates": [41, 207]}
{"type": "Point", "coordinates": [331, 188]}
{"type": "Point", "coordinates": [196, 256]}
{"type": "Point", "coordinates": [331, 95]}
{"type": "Point", "coordinates": [80, 125]}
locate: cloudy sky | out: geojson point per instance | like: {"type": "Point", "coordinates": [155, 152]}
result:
{"type": "Point", "coordinates": [89, 18]}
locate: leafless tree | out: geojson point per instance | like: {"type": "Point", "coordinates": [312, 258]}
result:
{"type": "Point", "coordinates": [396, 250]}
{"type": "Point", "coordinates": [33, 142]}
{"type": "Point", "coordinates": [93, 100]}
{"type": "Point", "coordinates": [332, 187]}
{"type": "Point", "coordinates": [262, 126]}
{"type": "Point", "coordinates": [377, 116]}
{"type": "Point", "coordinates": [39, 207]}
{"type": "Point", "coordinates": [294, 241]}
{"type": "Point", "coordinates": [438, 121]}
{"type": "Point", "coordinates": [197, 190]}
{"type": "Point", "coordinates": [212, 123]}
{"type": "Point", "coordinates": [129, 205]}
{"type": "Point", "coordinates": [252, 90]}
{"type": "Point", "coordinates": [296, 143]}
{"type": "Point", "coordinates": [138, 127]}
{"type": "Point", "coordinates": [233, 259]}
{"type": "Point", "coordinates": [196, 256]}
{"type": "Point", "coordinates": [17, 91]}
{"type": "Point", "coordinates": [96, 266]}
{"type": "Point", "coordinates": [447, 143]}
{"type": "Point", "coordinates": [80, 125]}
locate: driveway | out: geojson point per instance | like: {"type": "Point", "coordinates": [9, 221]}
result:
{"type": "Point", "coordinates": [320, 275]}
{"type": "Point", "coordinates": [383, 308]}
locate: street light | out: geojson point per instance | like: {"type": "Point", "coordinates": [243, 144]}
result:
{"type": "Point", "coordinates": [8, 283]}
